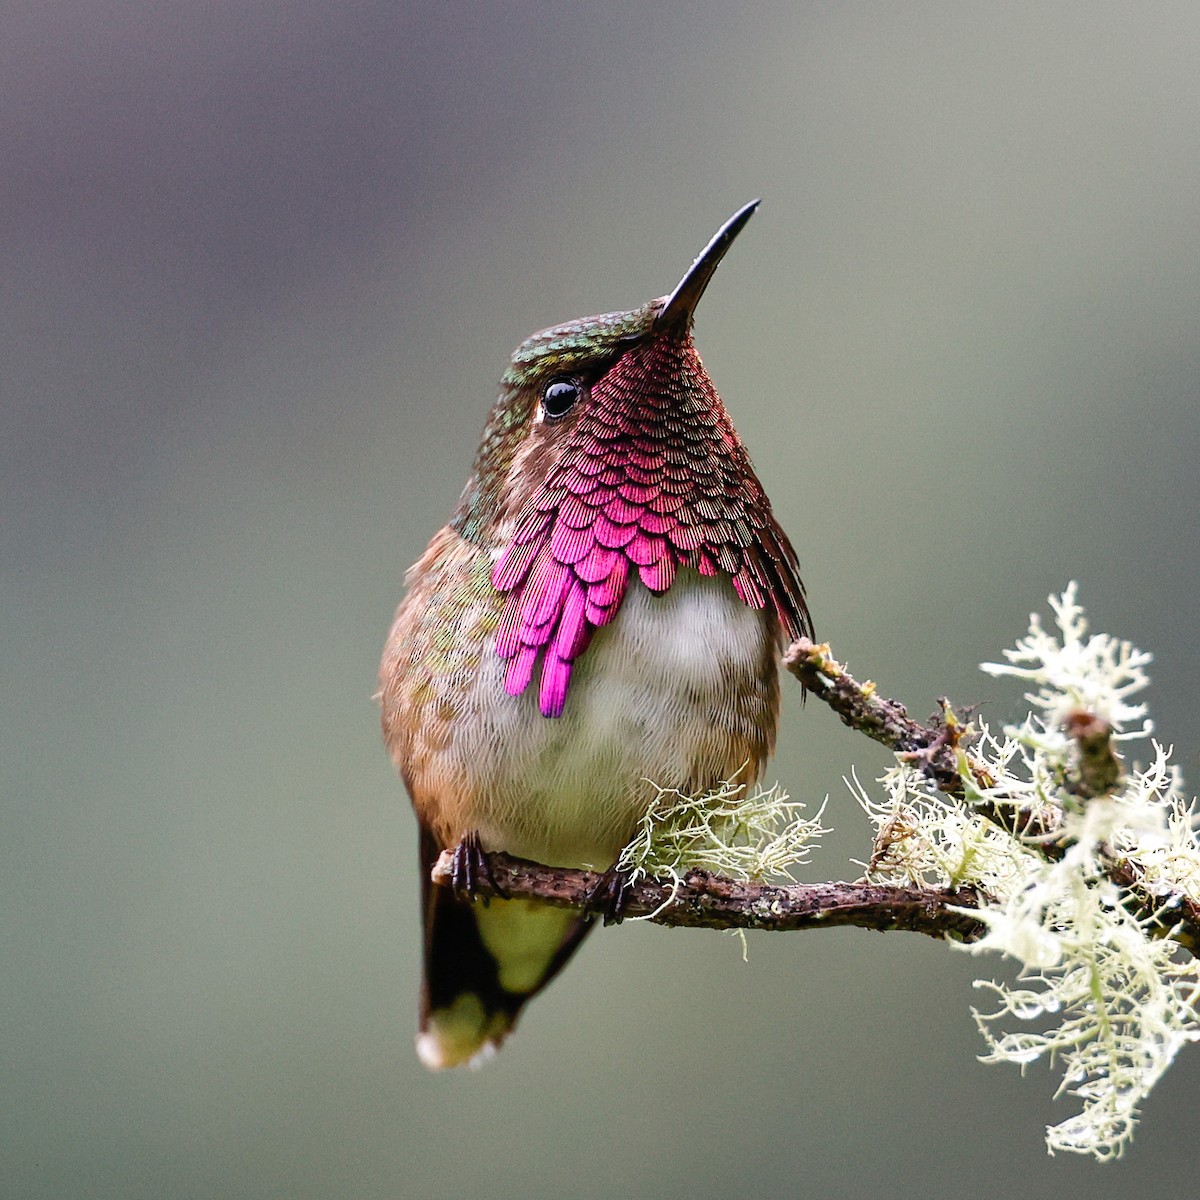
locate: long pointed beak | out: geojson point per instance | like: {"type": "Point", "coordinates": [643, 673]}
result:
{"type": "Point", "coordinates": [681, 303]}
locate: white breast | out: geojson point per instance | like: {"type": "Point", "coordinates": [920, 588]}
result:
{"type": "Point", "coordinates": [681, 690]}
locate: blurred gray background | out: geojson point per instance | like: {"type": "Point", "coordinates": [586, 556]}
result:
{"type": "Point", "coordinates": [262, 265]}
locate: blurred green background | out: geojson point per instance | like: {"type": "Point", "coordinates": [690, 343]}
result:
{"type": "Point", "coordinates": [263, 264]}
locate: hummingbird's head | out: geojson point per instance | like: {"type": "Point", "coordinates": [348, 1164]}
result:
{"type": "Point", "coordinates": [605, 378]}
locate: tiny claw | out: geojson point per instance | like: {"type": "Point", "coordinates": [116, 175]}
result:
{"type": "Point", "coordinates": [610, 896]}
{"type": "Point", "coordinates": [469, 867]}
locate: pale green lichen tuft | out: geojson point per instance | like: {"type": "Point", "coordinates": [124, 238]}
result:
{"type": "Point", "coordinates": [741, 833]}
{"type": "Point", "coordinates": [1073, 670]}
{"type": "Point", "coordinates": [1100, 996]}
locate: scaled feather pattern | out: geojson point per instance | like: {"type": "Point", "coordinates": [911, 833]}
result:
{"type": "Point", "coordinates": [652, 477]}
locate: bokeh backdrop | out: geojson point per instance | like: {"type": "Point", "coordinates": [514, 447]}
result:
{"type": "Point", "coordinates": [263, 264]}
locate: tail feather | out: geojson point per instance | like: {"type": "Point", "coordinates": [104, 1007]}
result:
{"type": "Point", "coordinates": [482, 966]}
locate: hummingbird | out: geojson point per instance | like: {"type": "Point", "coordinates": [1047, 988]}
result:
{"type": "Point", "coordinates": [602, 616]}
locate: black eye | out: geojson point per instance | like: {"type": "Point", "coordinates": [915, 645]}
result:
{"type": "Point", "coordinates": [559, 397]}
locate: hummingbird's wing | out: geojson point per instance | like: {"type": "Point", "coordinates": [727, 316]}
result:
{"type": "Point", "coordinates": [483, 964]}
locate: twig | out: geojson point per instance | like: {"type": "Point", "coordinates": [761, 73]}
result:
{"type": "Point", "coordinates": [1098, 770]}
{"type": "Point", "coordinates": [885, 721]}
{"type": "Point", "coordinates": [705, 901]}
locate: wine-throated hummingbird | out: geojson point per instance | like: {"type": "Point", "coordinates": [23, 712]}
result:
{"type": "Point", "coordinates": [601, 617]}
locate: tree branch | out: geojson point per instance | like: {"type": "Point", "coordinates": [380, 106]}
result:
{"type": "Point", "coordinates": [937, 749]}
{"type": "Point", "coordinates": [704, 901]}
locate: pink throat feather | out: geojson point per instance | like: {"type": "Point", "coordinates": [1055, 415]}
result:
{"type": "Point", "coordinates": [652, 478]}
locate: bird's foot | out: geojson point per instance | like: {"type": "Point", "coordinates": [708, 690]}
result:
{"type": "Point", "coordinates": [610, 896]}
{"type": "Point", "coordinates": [470, 867]}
